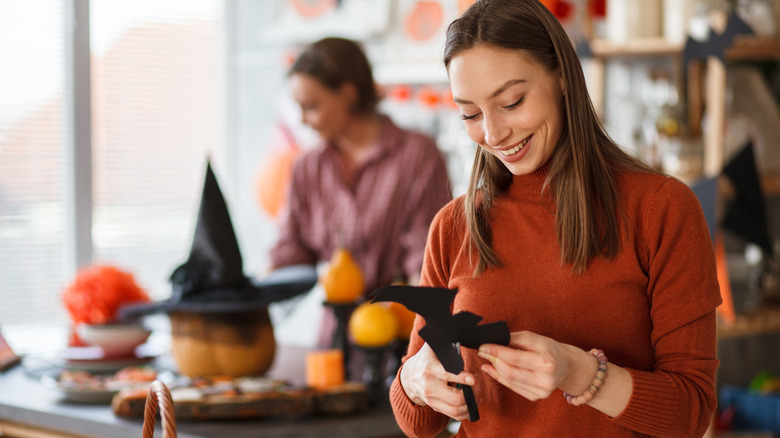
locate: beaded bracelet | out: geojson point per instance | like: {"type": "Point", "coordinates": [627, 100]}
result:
{"type": "Point", "coordinates": [601, 373]}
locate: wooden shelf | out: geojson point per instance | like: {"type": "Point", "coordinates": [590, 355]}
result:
{"type": "Point", "coordinates": [758, 322]}
{"type": "Point", "coordinates": [743, 48]}
{"type": "Point", "coordinates": [770, 184]}
{"type": "Point", "coordinates": [635, 47]}
{"type": "Point", "coordinates": [753, 49]}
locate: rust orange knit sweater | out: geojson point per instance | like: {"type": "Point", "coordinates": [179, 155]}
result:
{"type": "Point", "coordinates": [651, 309]}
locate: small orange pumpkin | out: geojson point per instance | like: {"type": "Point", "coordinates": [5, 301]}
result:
{"type": "Point", "coordinates": [343, 282]}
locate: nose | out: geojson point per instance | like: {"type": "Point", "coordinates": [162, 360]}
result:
{"type": "Point", "coordinates": [495, 131]}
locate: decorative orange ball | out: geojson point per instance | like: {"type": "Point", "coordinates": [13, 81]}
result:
{"type": "Point", "coordinates": [373, 325]}
{"type": "Point", "coordinates": [405, 319]}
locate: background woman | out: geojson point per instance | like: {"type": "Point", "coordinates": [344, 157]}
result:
{"type": "Point", "coordinates": [370, 186]}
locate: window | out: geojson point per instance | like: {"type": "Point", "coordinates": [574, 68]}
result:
{"type": "Point", "coordinates": [156, 115]}
{"type": "Point", "coordinates": [33, 253]}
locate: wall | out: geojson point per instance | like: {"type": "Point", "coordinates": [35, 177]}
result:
{"type": "Point", "coordinates": [265, 37]}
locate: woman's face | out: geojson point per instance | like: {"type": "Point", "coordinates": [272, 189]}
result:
{"type": "Point", "coordinates": [324, 110]}
{"type": "Point", "coordinates": [510, 105]}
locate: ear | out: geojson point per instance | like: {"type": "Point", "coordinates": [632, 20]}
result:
{"type": "Point", "coordinates": [350, 92]}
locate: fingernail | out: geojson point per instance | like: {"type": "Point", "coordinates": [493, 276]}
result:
{"type": "Point", "coordinates": [484, 350]}
{"type": "Point", "coordinates": [470, 381]}
{"type": "Point", "coordinates": [488, 357]}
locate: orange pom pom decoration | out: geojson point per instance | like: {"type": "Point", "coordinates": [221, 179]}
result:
{"type": "Point", "coordinates": [97, 293]}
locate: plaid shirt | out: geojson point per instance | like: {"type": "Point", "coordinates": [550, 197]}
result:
{"type": "Point", "coordinates": [382, 218]}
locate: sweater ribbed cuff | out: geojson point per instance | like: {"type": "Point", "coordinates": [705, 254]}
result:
{"type": "Point", "coordinates": [414, 421]}
{"type": "Point", "coordinates": [653, 405]}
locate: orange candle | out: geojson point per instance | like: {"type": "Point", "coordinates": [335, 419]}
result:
{"type": "Point", "coordinates": [324, 369]}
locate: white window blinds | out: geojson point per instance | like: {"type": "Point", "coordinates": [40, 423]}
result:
{"type": "Point", "coordinates": [157, 112]}
{"type": "Point", "coordinates": [34, 259]}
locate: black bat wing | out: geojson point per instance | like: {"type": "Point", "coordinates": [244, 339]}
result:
{"type": "Point", "coordinates": [491, 333]}
{"type": "Point", "coordinates": [716, 44]}
{"type": "Point", "coordinates": [432, 303]}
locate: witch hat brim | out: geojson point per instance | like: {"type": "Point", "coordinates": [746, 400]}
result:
{"type": "Point", "coordinates": [212, 278]}
{"type": "Point", "coordinates": [282, 284]}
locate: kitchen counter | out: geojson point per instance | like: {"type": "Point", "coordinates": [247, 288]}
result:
{"type": "Point", "coordinates": [30, 409]}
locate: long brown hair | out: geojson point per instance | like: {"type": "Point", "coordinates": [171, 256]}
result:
{"type": "Point", "coordinates": [581, 178]}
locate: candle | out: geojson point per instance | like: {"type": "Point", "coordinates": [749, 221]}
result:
{"type": "Point", "coordinates": [324, 369]}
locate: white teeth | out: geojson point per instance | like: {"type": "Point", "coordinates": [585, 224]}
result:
{"type": "Point", "coordinates": [513, 151]}
{"type": "Point", "coordinates": [517, 148]}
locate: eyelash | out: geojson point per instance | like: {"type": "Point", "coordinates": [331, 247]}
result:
{"type": "Point", "coordinates": [508, 107]}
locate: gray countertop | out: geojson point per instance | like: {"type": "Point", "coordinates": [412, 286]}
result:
{"type": "Point", "coordinates": [24, 400]}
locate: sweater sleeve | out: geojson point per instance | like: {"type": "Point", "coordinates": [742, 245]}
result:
{"type": "Point", "coordinates": [422, 421]}
{"type": "Point", "coordinates": [678, 397]}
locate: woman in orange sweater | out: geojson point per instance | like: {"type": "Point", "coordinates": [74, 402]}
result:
{"type": "Point", "coordinates": [584, 251]}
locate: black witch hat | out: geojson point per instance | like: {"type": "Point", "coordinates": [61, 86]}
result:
{"type": "Point", "coordinates": [212, 278]}
{"type": "Point", "coordinates": [746, 216]}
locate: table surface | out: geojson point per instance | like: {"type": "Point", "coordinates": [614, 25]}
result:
{"type": "Point", "coordinates": [24, 400]}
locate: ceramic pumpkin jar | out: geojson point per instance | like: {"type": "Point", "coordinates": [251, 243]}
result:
{"type": "Point", "coordinates": [232, 344]}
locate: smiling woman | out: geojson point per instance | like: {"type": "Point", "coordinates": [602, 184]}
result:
{"type": "Point", "coordinates": [570, 241]}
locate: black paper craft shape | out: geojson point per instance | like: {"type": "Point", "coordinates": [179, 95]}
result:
{"type": "Point", "coordinates": [445, 332]}
{"type": "Point", "coordinates": [212, 278]}
{"type": "Point", "coordinates": [746, 214]}
{"type": "Point", "coordinates": [716, 44]}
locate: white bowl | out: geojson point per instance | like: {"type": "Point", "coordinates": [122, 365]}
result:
{"type": "Point", "coordinates": [117, 339]}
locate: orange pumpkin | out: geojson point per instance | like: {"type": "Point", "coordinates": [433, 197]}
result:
{"type": "Point", "coordinates": [222, 344]}
{"type": "Point", "coordinates": [373, 325]}
{"type": "Point", "coordinates": [343, 282]}
{"type": "Point", "coordinates": [405, 319]}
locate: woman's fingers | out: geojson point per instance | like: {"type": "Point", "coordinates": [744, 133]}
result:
{"type": "Point", "coordinates": [527, 366]}
{"type": "Point", "coordinates": [426, 382]}
{"type": "Point", "coordinates": [529, 391]}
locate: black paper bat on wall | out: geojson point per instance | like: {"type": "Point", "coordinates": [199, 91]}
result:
{"type": "Point", "coordinates": [445, 332]}
{"type": "Point", "coordinates": [716, 44]}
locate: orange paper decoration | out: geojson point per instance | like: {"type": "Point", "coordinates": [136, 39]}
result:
{"type": "Point", "coordinates": [401, 93]}
{"type": "Point", "coordinates": [429, 97]}
{"type": "Point", "coordinates": [425, 20]}
{"type": "Point", "coordinates": [464, 4]}
{"type": "Point", "coordinates": [726, 309]}
{"type": "Point", "coordinates": [273, 179]}
{"type": "Point", "coordinates": [313, 8]}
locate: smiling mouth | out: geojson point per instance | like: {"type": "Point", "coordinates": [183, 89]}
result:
{"type": "Point", "coordinates": [518, 148]}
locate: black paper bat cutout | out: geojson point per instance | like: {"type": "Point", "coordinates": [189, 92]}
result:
{"type": "Point", "coordinates": [716, 44]}
{"type": "Point", "coordinates": [445, 332]}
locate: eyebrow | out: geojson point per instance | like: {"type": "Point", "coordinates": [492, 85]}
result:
{"type": "Point", "coordinates": [498, 91]}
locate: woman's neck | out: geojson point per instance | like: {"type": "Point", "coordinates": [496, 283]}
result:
{"type": "Point", "coordinates": [357, 141]}
{"type": "Point", "coordinates": [359, 134]}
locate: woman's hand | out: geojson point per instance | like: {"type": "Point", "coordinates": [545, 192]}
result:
{"type": "Point", "coordinates": [426, 383]}
{"type": "Point", "coordinates": [534, 366]}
